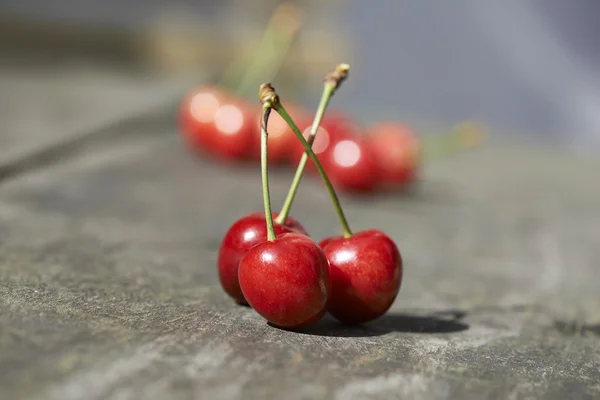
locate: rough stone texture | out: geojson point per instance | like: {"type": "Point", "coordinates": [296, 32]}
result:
{"type": "Point", "coordinates": [108, 286]}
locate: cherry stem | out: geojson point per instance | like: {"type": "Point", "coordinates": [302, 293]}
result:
{"type": "Point", "coordinates": [276, 41]}
{"type": "Point", "coordinates": [461, 137]}
{"type": "Point", "coordinates": [332, 82]}
{"type": "Point", "coordinates": [308, 150]}
{"type": "Point", "coordinates": [264, 170]}
{"type": "Point", "coordinates": [328, 91]}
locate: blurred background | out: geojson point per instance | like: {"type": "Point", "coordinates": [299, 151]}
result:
{"type": "Point", "coordinates": [525, 68]}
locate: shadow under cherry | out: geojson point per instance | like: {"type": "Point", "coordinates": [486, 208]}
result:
{"type": "Point", "coordinates": [444, 322]}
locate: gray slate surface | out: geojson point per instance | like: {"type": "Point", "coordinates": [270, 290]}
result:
{"type": "Point", "coordinates": [108, 286]}
{"type": "Point", "coordinates": [43, 109]}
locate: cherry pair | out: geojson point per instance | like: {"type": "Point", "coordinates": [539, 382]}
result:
{"type": "Point", "coordinates": [283, 274]}
{"type": "Point", "coordinates": [355, 278]}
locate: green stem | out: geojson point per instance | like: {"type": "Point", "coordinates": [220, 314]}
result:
{"type": "Point", "coordinates": [328, 91]}
{"type": "Point", "coordinates": [264, 169]}
{"type": "Point", "coordinates": [269, 56]}
{"type": "Point", "coordinates": [266, 65]}
{"type": "Point", "coordinates": [307, 148]}
{"type": "Point", "coordinates": [229, 76]}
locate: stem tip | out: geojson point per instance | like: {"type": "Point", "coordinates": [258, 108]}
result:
{"type": "Point", "coordinates": [267, 95]}
{"type": "Point", "coordinates": [338, 75]}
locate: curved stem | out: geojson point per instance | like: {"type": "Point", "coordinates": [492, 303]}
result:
{"type": "Point", "coordinates": [336, 202]}
{"type": "Point", "coordinates": [287, 204]}
{"type": "Point", "coordinates": [264, 169]}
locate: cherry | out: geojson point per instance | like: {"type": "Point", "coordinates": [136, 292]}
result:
{"type": "Point", "coordinates": [197, 114]}
{"type": "Point", "coordinates": [352, 165]}
{"type": "Point", "coordinates": [400, 153]}
{"type": "Point", "coordinates": [365, 273]}
{"type": "Point", "coordinates": [397, 151]}
{"type": "Point", "coordinates": [243, 235]}
{"type": "Point", "coordinates": [233, 131]}
{"type": "Point", "coordinates": [218, 124]}
{"type": "Point", "coordinates": [332, 129]}
{"type": "Point", "coordinates": [286, 280]}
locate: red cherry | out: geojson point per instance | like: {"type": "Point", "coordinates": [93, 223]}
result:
{"type": "Point", "coordinates": [218, 124]}
{"type": "Point", "coordinates": [333, 128]}
{"type": "Point", "coordinates": [396, 149]}
{"type": "Point", "coordinates": [281, 137]}
{"type": "Point", "coordinates": [243, 235]}
{"type": "Point", "coordinates": [234, 130]}
{"type": "Point", "coordinates": [286, 280]}
{"type": "Point", "coordinates": [351, 165]}
{"type": "Point", "coordinates": [365, 273]}
{"type": "Point", "coordinates": [197, 114]}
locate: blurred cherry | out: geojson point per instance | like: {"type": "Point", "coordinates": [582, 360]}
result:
{"type": "Point", "coordinates": [220, 125]}
{"type": "Point", "coordinates": [197, 114]}
{"type": "Point", "coordinates": [351, 165]}
{"type": "Point", "coordinates": [333, 128]}
{"type": "Point", "coordinates": [396, 148]}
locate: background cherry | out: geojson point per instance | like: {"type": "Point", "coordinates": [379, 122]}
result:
{"type": "Point", "coordinates": [332, 129]}
{"type": "Point", "coordinates": [233, 130]}
{"type": "Point", "coordinates": [351, 165]}
{"type": "Point", "coordinates": [197, 114]}
{"type": "Point", "coordinates": [396, 149]}
{"type": "Point", "coordinates": [286, 280]}
{"type": "Point", "coordinates": [217, 123]}
{"type": "Point", "coordinates": [223, 125]}
{"type": "Point", "coordinates": [365, 274]}
{"type": "Point", "coordinates": [243, 235]}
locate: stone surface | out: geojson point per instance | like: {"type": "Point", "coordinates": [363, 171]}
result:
{"type": "Point", "coordinates": [108, 285]}
{"type": "Point", "coordinates": [45, 108]}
